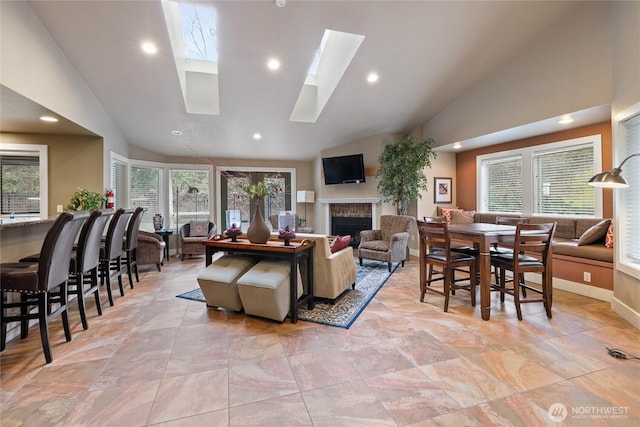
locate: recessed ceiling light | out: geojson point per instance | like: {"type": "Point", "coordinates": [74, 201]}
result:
{"type": "Point", "coordinates": [257, 136]}
{"type": "Point", "coordinates": [566, 120]}
{"type": "Point", "coordinates": [372, 77]}
{"type": "Point", "coordinates": [48, 119]}
{"type": "Point", "coordinates": [273, 64]}
{"type": "Point", "coordinates": [149, 48]}
{"type": "Point", "coordinates": [176, 132]}
{"type": "Point", "coordinates": [457, 146]}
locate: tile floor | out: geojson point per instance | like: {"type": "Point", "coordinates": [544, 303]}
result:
{"type": "Point", "coordinates": [154, 359]}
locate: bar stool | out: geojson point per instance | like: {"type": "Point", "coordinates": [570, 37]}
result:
{"type": "Point", "coordinates": [111, 252]}
{"type": "Point", "coordinates": [36, 281]}
{"type": "Point", "coordinates": [130, 245]}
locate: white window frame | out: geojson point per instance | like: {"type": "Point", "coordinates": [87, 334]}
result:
{"type": "Point", "coordinates": [621, 151]}
{"type": "Point", "coordinates": [115, 157]}
{"type": "Point", "coordinates": [181, 166]}
{"type": "Point", "coordinates": [42, 153]}
{"type": "Point", "coordinates": [162, 199]}
{"type": "Point", "coordinates": [527, 154]}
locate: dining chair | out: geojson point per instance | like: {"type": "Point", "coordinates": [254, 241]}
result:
{"type": "Point", "coordinates": [37, 282]}
{"type": "Point", "coordinates": [506, 248]}
{"type": "Point", "coordinates": [111, 252]}
{"type": "Point", "coordinates": [130, 245]}
{"type": "Point", "coordinates": [530, 255]}
{"type": "Point", "coordinates": [436, 251]}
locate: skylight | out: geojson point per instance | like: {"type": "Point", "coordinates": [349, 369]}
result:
{"type": "Point", "coordinates": [199, 32]}
{"type": "Point", "coordinates": [331, 60]}
{"type": "Point", "coordinates": [194, 41]}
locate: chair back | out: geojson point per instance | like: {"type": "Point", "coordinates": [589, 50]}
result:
{"type": "Point", "coordinates": [131, 242]}
{"type": "Point", "coordinates": [115, 233]}
{"type": "Point", "coordinates": [511, 220]}
{"type": "Point", "coordinates": [534, 240]}
{"type": "Point", "coordinates": [53, 267]}
{"type": "Point", "coordinates": [392, 224]}
{"type": "Point", "coordinates": [89, 242]}
{"type": "Point", "coordinates": [434, 234]}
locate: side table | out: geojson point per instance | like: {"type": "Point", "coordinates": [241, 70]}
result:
{"type": "Point", "coordinates": [165, 237]}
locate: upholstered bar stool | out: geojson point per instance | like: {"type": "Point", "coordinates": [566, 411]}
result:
{"type": "Point", "coordinates": [111, 252]}
{"type": "Point", "coordinates": [264, 290]}
{"type": "Point", "coordinates": [130, 245]}
{"type": "Point", "coordinates": [218, 281]}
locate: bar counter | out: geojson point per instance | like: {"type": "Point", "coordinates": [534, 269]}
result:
{"type": "Point", "coordinates": [21, 237]}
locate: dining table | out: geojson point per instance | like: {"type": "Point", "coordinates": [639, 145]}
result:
{"type": "Point", "coordinates": [483, 236]}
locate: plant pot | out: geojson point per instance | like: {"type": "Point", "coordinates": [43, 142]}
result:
{"type": "Point", "coordinates": [258, 231]}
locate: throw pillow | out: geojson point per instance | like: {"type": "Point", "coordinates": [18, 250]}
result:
{"type": "Point", "coordinates": [595, 233]}
{"type": "Point", "coordinates": [462, 217]}
{"type": "Point", "coordinates": [339, 243]}
{"type": "Point", "coordinates": [446, 212]}
{"type": "Point", "coordinates": [608, 241]}
{"type": "Point", "coordinates": [198, 228]}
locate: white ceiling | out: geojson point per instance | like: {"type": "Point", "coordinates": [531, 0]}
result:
{"type": "Point", "coordinates": [427, 54]}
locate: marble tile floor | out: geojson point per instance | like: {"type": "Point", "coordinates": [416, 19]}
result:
{"type": "Point", "coordinates": [154, 359]}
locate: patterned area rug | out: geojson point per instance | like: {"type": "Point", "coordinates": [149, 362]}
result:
{"type": "Point", "coordinates": [372, 275]}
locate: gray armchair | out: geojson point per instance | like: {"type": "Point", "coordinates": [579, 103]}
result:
{"type": "Point", "coordinates": [192, 245]}
{"type": "Point", "coordinates": [150, 249]}
{"type": "Point", "coordinates": [389, 243]}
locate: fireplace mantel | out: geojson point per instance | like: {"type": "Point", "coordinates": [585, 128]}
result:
{"type": "Point", "coordinates": [328, 202]}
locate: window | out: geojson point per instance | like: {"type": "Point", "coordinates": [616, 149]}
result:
{"type": "Point", "coordinates": [628, 199]}
{"type": "Point", "coordinates": [119, 185]}
{"type": "Point", "coordinates": [145, 192]}
{"type": "Point", "coordinates": [23, 180]}
{"type": "Point", "coordinates": [545, 179]}
{"type": "Point", "coordinates": [189, 195]}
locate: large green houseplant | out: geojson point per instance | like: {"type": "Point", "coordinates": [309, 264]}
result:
{"type": "Point", "coordinates": [85, 200]}
{"type": "Point", "coordinates": [401, 171]}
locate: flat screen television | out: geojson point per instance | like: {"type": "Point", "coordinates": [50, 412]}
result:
{"type": "Point", "coordinates": [343, 169]}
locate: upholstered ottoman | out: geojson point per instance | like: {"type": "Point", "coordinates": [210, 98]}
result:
{"type": "Point", "coordinates": [264, 290]}
{"type": "Point", "coordinates": [218, 281]}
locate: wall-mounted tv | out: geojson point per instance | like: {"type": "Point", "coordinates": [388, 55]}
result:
{"type": "Point", "coordinates": [343, 169]}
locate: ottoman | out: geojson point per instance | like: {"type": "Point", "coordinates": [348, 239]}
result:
{"type": "Point", "coordinates": [264, 290]}
{"type": "Point", "coordinates": [218, 281]}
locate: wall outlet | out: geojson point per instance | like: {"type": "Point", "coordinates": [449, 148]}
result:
{"type": "Point", "coordinates": [59, 208]}
{"type": "Point", "coordinates": [587, 276]}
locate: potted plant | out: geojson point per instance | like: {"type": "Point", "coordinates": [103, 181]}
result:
{"type": "Point", "coordinates": [85, 200]}
{"type": "Point", "coordinates": [401, 170]}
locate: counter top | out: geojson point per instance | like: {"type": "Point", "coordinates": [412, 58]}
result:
{"type": "Point", "coordinates": [23, 222]}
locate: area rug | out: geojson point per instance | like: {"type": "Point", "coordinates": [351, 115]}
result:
{"type": "Point", "coordinates": [372, 275]}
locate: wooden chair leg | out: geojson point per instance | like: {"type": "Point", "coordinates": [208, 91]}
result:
{"type": "Point", "coordinates": [44, 327]}
{"type": "Point", "coordinates": [516, 295]}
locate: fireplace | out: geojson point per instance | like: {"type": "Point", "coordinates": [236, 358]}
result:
{"type": "Point", "coordinates": [352, 226]}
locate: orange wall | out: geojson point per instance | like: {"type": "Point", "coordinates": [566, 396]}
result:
{"type": "Point", "coordinates": [466, 161]}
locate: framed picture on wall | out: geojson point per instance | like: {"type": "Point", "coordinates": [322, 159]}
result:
{"type": "Point", "coordinates": [442, 190]}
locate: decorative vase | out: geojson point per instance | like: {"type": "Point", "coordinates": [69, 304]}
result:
{"type": "Point", "coordinates": [158, 222]}
{"type": "Point", "coordinates": [258, 231]}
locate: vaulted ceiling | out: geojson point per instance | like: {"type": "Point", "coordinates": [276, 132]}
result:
{"type": "Point", "coordinates": [426, 53]}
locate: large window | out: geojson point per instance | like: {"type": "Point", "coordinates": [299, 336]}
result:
{"type": "Point", "coordinates": [119, 168]}
{"type": "Point", "coordinates": [23, 180]}
{"type": "Point", "coordinates": [628, 199]}
{"type": "Point", "coordinates": [189, 195]}
{"type": "Point", "coordinates": [145, 192]}
{"type": "Point", "coordinates": [545, 179]}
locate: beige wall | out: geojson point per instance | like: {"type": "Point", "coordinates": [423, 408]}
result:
{"type": "Point", "coordinates": [33, 66]}
{"type": "Point", "coordinates": [626, 92]}
{"type": "Point", "coordinates": [74, 161]}
{"type": "Point", "coordinates": [565, 69]}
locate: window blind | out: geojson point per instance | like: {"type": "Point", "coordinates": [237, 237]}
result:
{"type": "Point", "coordinates": [559, 178]}
{"type": "Point", "coordinates": [629, 202]}
{"type": "Point", "coordinates": [503, 184]}
{"type": "Point", "coordinates": [144, 192]}
{"type": "Point", "coordinates": [119, 182]}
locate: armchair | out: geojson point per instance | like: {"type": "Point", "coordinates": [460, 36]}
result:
{"type": "Point", "coordinates": [150, 249]}
{"type": "Point", "coordinates": [389, 243]}
{"type": "Point", "coordinates": [191, 243]}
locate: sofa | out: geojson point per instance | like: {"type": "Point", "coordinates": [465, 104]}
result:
{"type": "Point", "coordinates": [590, 264]}
{"type": "Point", "coordinates": [333, 273]}
{"type": "Point", "coordinates": [150, 249]}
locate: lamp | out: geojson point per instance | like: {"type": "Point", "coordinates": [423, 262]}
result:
{"type": "Point", "coordinates": [611, 179]}
{"type": "Point", "coordinates": [194, 190]}
{"type": "Point", "coordinates": [305, 196]}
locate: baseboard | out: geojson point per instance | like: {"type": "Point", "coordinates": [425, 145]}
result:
{"type": "Point", "coordinates": [626, 312]}
{"type": "Point", "coordinates": [576, 288]}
